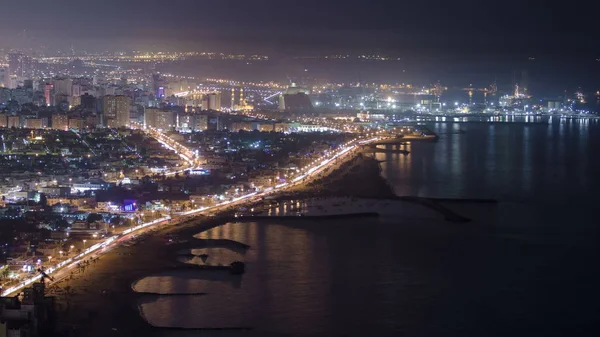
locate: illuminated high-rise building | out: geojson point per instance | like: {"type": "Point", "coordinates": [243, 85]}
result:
{"type": "Point", "coordinates": [192, 122]}
{"type": "Point", "coordinates": [214, 101]}
{"type": "Point", "coordinates": [60, 122]}
{"type": "Point", "coordinates": [36, 123]}
{"type": "Point", "coordinates": [49, 94]}
{"type": "Point", "coordinates": [20, 65]}
{"type": "Point", "coordinates": [13, 122]}
{"type": "Point", "coordinates": [200, 123]}
{"type": "Point", "coordinates": [159, 86]}
{"type": "Point", "coordinates": [165, 120]}
{"type": "Point", "coordinates": [158, 119]}
{"type": "Point", "coordinates": [4, 76]}
{"type": "Point", "coordinates": [3, 120]}
{"type": "Point", "coordinates": [75, 101]}
{"type": "Point", "coordinates": [150, 117]}
{"type": "Point", "coordinates": [76, 123]}
{"type": "Point", "coordinates": [117, 108]}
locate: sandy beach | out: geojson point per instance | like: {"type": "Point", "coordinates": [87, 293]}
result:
{"type": "Point", "coordinates": [99, 300]}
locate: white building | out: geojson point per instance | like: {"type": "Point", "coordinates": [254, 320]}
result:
{"type": "Point", "coordinates": [214, 101]}
{"type": "Point", "coordinates": [158, 119]}
{"type": "Point", "coordinates": [4, 76]}
{"type": "Point", "coordinates": [88, 186]}
{"type": "Point", "coordinates": [296, 127]}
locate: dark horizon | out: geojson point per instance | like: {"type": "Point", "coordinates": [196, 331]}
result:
{"type": "Point", "coordinates": [459, 44]}
{"type": "Point", "coordinates": [534, 28]}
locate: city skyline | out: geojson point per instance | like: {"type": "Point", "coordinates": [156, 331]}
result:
{"type": "Point", "coordinates": [278, 167]}
{"type": "Point", "coordinates": [458, 44]}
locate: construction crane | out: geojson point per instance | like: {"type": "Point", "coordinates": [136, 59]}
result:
{"type": "Point", "coordinates": [491, 90]}
{"type": "Point", "coordinates": [437, 90]}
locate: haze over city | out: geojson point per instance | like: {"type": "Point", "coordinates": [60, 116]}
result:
{"type": "Point", "coordinates": [299, 168]}
{"type": "Point", "coordinates": [464, 27]}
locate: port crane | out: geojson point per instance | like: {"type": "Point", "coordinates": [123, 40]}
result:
{"type": "Point", "coordinates": [490, 90]}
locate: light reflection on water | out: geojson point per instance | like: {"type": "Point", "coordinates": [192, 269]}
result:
{"type": "Point", "coordinates": [522, 268]}
{"type": "Point", "coordinates": [278, 274]}
{"type": "Point", "coordinates": [553, 162]}
{"type": "Point", "coordinates": [368, 277]}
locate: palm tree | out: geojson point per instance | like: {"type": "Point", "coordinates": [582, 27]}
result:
{"type": "Point", "coordinates": [5, 273]}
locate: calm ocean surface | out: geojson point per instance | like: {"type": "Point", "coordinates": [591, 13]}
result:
{"type": "Point", "coordinates": [527, 266]}
{"type": "Point", "coordinates": [554, 161]}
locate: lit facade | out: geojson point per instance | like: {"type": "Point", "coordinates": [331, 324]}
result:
{"type": "Point", "coordinates": [162, 120]}
{"type": "Point", "coordinates": [117, 108]}
{"type": "Point", "coordinates": [36, 123]}
{"type": "Point", "coordinates": [60, 122]}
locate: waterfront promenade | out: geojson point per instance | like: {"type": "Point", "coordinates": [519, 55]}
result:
{"type": "Point", "coordinates": [62, 269]}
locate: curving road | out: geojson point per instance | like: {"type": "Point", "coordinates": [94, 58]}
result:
{"type": "Point", "coordinates": [62, 269]}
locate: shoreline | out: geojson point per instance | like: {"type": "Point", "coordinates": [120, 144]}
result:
{"type": "Point", "coordinates": [305, 217]}
{"type": "Point", "coordinates": [81, 310]}
{"type": "Point", "coordinates": [341, 182]}
{"type": "Point", "coordinates": [118, 312]}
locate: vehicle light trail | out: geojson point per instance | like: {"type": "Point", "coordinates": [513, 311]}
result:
{"type": "Point", "coordinates": [114, 240]}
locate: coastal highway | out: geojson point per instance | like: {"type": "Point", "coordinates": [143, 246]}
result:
{"type": "Point", "coordinates": [62, 269]}
{"type": "Point", "coordinates": [62, 273]}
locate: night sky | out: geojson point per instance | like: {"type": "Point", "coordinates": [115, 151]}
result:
{"type": "Point", "coordinates": [449, 27]}
{"type": "Point", "coordinates": [458, 42]}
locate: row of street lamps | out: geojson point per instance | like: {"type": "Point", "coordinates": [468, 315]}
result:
{"type": "Point", "coordinates": [309, 171]}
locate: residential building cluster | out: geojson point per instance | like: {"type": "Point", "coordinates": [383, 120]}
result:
{"type": "Point", "coordinates": [83, 154]}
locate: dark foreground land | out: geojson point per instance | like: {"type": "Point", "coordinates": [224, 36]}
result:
{"type": "Point", "coordinates": [358, 177]}
{"type": "Point", "coordinates": [99, 301]}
